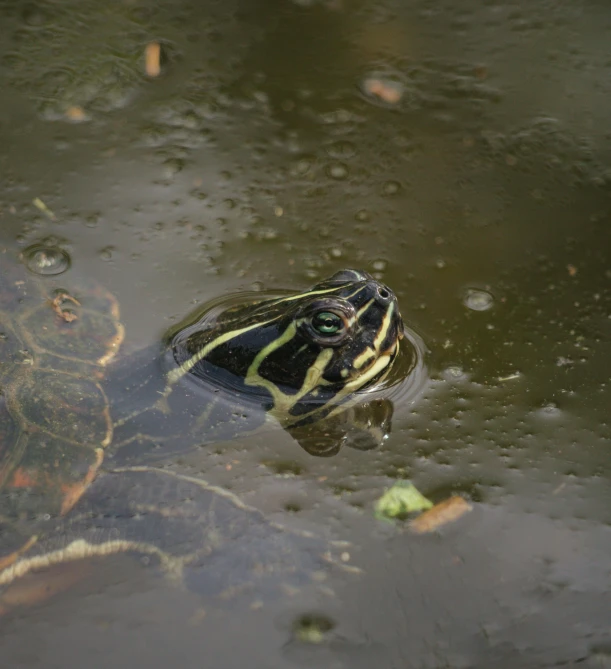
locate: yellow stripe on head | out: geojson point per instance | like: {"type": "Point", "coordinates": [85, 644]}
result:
{"type": "Point", "coordinates": [371, 352]}
{"type": "Point", "coordinates": [283, 402]}
{"type": "Point", "coordinates": [177, 374]}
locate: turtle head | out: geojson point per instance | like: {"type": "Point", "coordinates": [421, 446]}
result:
{"type": "Point", "coordinates": [303, 356]}
{"type": "Point", "coordinates": [300, 351]}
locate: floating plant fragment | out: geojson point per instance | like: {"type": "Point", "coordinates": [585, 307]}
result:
{"type": "Point", "coordinates": [400, 500]}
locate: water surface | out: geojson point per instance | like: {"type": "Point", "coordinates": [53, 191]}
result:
{"type": "Point", "coordinates": [260, 158]}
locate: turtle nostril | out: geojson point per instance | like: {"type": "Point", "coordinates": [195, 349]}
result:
{"type": "Point", "coordinates": [383, 292]}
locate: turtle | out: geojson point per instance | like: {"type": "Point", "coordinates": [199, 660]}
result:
{"type": "Point", "coordinates": [85, 432]}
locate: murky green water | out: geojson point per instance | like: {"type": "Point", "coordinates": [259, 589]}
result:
{"type": "Point", "coordinates": [259, 159]}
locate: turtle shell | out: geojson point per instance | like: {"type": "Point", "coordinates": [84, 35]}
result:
{"type": "Point", "coordinates": [55, 342]}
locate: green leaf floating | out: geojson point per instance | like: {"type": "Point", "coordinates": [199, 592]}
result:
{"type": "Point", "coordinates": [401, 500]}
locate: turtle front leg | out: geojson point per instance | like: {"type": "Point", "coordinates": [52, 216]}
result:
{"type": "Point", "coordinates": [200, 536]}
{"type": "Point", "coordinates": [363, 427]}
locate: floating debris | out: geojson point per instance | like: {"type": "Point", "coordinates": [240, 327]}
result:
{"type": "Point", "coordinates": [76, 114]}
{"type": "Point", "coordinates": [401, 500]}
{"type": "Point", "coordinates": [385, 90]}
{"type": "Point", "coordinates": [152, 59]}
{"type": "Point", "coordinates": [441, 514]}
{"type": "Point", "coordinates": [37, 202]}
{"type": "Point", "coordinates": [510, 377]}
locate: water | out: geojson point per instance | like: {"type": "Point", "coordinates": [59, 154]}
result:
{"type": "Point", "coordinates": [261, 158]}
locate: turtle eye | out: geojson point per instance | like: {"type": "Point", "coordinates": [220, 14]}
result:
{"type": "Point", "coordinates": [327, 324]}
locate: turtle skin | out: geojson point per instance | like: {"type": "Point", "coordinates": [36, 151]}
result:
{"type": "Point", "coordinates": [201, 536]}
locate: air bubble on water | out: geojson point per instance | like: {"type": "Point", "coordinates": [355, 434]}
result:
{"type": "Point", "coordinates": [379, 265]}
{"type": "Point", "coordinates": [342, 150]}
{"type": "Point", "coordinates": [391, 188]}
{"type": "Point", "coordinates": [312, 628]}
{"type": "Point", "coordinates": [337, 171]}
{"type": "Point", "coordinates": [92, 220]}
{"type": "Point", "coordinates": [478, 300]}
{"type": "Point", "coordinates": [106, 253]}
{"type": "Point", "coordinates": [46, 260]}
{"type": "Point", "coordinates": [549, 411]}
{"type": "Point", "coordinates": [267, 234]}
{"type": "Point", "coordinates": [172, 166]}
{"type": "Point", "coordinates": [454, 373]}
{"type": "Point", "coordinates": [301, 166]}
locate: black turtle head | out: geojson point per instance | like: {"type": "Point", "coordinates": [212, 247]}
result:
{"type": "Point", "coordinates": [304, 353]}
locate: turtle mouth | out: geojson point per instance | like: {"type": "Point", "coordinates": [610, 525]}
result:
{"type": "Point", "coordinates": [374, 371]}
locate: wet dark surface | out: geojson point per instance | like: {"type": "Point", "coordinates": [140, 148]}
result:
{"type": "Point", "coordinates": [259, 159]}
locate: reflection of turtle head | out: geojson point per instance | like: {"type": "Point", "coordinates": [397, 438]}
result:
{"type": "Point", "coordinates": [304, 354]}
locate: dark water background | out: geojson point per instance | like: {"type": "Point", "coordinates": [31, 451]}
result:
{"type": "Point", "coordinates": [257, 160]}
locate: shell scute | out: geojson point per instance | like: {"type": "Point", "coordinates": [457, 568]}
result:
{"type": "Point", "coordinates": [54, 345]}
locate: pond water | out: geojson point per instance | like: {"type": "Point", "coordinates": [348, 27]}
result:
{"type": "Point", "coordinates": [459, 151]}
